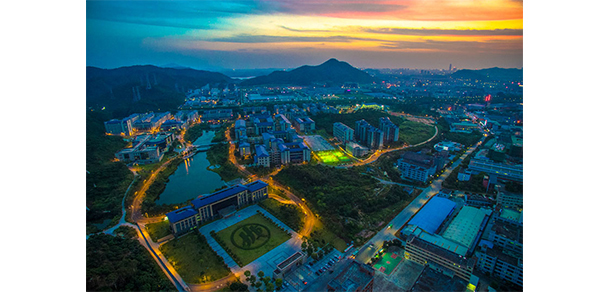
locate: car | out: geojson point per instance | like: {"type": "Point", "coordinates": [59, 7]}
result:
{"type": "Point", "coordinates": [317, 273]}
{"type": "Point", "coordinates": [304, 282]}
{"type": "Point", "coordinates": [321, 270]}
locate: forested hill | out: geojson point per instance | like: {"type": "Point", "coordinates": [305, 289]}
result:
{"type": "Point", "coordinates": [331, 71]}
{"type": "Point", "coordinates": [491, 74]}
{"type": "Point", "coordinates": [145, 88]}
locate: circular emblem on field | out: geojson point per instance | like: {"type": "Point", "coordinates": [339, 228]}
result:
{"type": "Point", "coordinates": [250, 236]}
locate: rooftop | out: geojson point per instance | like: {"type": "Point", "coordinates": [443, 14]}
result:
{"type": "Point", "coordinates": [355, 276]}
{"type": "Point", "coordinates": [440, 251]}
{"type": "Point", "coordinates": [217, 196]}
{"type": "Point", "coordinates": [181, 214]}
{"type": "Point", "coordinates": [290, 260]}
{"type": "Point", "coordinates": [261, 151]}
{"type": "Point", "coordinates": [466, 225]}
{"type": "Point", "coordinates": [256, 185]}
{"type": "Point", "coordinates": [418, 159]}
{"type": "Point", "coordinates": [432, 215]}
{"type": "Point", "coordinates": [509, 231]}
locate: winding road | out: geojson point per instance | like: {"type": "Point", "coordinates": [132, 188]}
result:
{"type": "Point", "coordinates": [310, 218]}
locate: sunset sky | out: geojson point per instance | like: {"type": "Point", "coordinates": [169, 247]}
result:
{"type": "Point", "coordinates": [216, 35]}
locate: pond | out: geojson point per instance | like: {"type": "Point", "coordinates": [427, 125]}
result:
{"type": "Point", "coordinates": [192, 178]}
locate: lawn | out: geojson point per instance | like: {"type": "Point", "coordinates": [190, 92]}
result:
{"type": "Point", "coordinates": [194, 259]}
{"type": "Point", "coordinates": [158, 230]}
{"type": "Point", "coordinates": [290, 214]}
{"type": "Point", "coordinates": [322, 233]}
{"type": "Point", "coordinates": [388, 262]}
{"type": "Point", "coordinates": [238, 238]}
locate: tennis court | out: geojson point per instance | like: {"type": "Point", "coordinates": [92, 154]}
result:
{"type": "Point", "coordinates": [388, 263]}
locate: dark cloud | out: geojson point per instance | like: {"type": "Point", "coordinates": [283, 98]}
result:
{"type": "Point", "coordinates": [244, 38]}
{"type": "Point", "coordinates": [303, 30]}
{"type": "Point", "coordinates": [331, 7]}
{"type": "Point", "coordinates": [190, 15]}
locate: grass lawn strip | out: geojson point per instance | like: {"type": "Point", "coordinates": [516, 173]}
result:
{"type": "Point", "coordinates": [194, 259]}
{"type": "Point", "coordinates": [275, 237]}
{"type": "Point", "coordinates": [158, 230]}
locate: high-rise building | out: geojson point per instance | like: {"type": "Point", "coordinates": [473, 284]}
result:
{"type": "Point", "coordinates": [343, 132]}
{"type": "Point", "coordinates": [368, 135]}
{"type": "Point", "coordinates": [390, 131]}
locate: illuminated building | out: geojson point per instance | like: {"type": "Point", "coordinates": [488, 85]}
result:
{"type": "Point", "coordinates": [416, 166]}
{"type": "Point", "coordinates": [448, 146]}
{"type": "Point", "coordinates": [498, 263]}
{"type": "Point", "coordinates": [124, 126]}
{"type": "Point", "coordinates": [215, 205]}
{"type": "Point", "coordinates": [390, 131]}
{"type": "Point", "coordinates": [442, 256]}
{"type": "Point", "coordinates": [343, 132]}
{"type": "Point", "coordinates": [294, 152]}
{"type": "Point", "coordinates": [218, 114]}
{"type": "Point", "coordinates": [479, 163]}
{"type": "Point", "coordinates": [356, 149]}
{"type": "Point", "coordinates": [172, 125]}
{"type": "Point", "coordinates": [368, 135]}
{"type": "Point", "coordinates": [143, 152]}
{"type": "Point", "coordinates": [244, 149]}
{"type": "Point", "coordinates": [305, 124]}
{"type": "Point", "coordinates": [282, 123]}
{"type": "Point", "coordinates": [240, 130]}
{"type": "Point", "coordinates": [449, 252]}
{"type": "Point", "coordinates": [262, 158]}
{"type": "Point", "coordinates": [509, 200]}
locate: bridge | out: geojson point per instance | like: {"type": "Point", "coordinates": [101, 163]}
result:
{"type": "Point", "coordinates": [201, 148]}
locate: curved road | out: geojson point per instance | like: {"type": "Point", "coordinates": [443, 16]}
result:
{"type": "Point", "coordinates": [152, 247]}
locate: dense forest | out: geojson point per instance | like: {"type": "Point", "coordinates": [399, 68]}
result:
{"type": "Point", "coordinates": [122, 264]}
{"type": "Point", "coordinates": [107, 180]}
{"type": "Point", "coordinates": [346, 199]}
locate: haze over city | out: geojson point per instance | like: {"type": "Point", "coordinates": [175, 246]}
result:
{"type": "Point", "coordinates": [216, 35]}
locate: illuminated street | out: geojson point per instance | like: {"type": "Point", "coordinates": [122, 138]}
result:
{"type": "Point", "coordinates": [366, 252]}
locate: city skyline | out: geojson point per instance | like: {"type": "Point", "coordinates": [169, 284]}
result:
{"type": "Point", "coordinates": [281, 34]}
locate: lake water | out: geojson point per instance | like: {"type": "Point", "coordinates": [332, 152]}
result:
{"type": "Point", "coordinates": [192, 178]}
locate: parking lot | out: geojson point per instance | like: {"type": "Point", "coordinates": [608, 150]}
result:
{"type": "Point", "coordinates": [308, 274]}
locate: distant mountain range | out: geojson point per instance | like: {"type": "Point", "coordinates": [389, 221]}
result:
{"type": "Point", "coordinates": [144, 88]}
{"type": "Point", "coordinates": [331, 71]}
{"type": "Point", "coordinates": [491, 74]}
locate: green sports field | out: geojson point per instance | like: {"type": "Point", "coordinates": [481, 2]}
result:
{"type": "Point", "coordinates": [333, 157]}
{"type": "Point", "coordinates": [388, 262]}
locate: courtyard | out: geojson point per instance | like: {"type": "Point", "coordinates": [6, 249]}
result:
{"type": "Point", "coordinates": [252, 238]}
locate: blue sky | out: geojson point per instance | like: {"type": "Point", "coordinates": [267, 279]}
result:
{"type": "Point", "coordinates": [217, 35]}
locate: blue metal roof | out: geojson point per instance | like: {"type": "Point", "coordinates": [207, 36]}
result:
{"type": "Point", "coordinates": [217, 196]}
{"type": "Point", "coordinates": [181, 214]}
{"type": "Point", "coordinates": [432, 215]}
{"type": "Point", "coordinates": [256, 185]}
{"type": "Point", "coordinates": [261, 151]}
